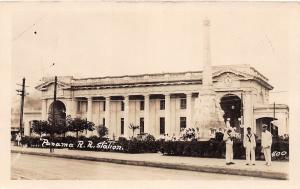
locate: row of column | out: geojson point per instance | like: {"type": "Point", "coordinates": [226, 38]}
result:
{"type": "Point", "coordinates": [71, 110]}
{"type": "Point", "coordinates": [147, 128]}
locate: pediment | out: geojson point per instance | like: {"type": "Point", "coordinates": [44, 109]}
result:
{"type": "Point", "coordinates": [230, 74]}
{"type": "Point", "coordinates": [46, 85]}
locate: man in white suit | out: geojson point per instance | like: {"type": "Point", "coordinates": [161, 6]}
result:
{"type": "Point", "coordinates": [250, 144]}
{"type": "Point", "coordinates": [266, 143]}
{"type": "Point", "coordinates": [228, 138]}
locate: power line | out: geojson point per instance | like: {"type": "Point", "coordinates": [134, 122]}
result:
{"type": "Point", "coordinates": [28, 28]}
{"type": "Point", "coordinates": [278, 91]}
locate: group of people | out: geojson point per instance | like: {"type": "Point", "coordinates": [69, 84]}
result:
{"type": "Point", "coordinates": [249, 144]}
{"type": "Point", "coordinates": [186, 134]}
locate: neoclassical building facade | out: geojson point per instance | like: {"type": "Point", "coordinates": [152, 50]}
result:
{"type": "Point", "coordinates": [163, 103]}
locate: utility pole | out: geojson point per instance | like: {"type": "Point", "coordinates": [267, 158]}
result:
{"type": "Point", "coordinates": [242, 109]}
{"type": "Point", "coordinates": [53, 114]}
{"type": "Point", "coordinates": [243, 131]}
{"type": "Point", "coordinates": [274, 107]}
{"type": "Point", "coordinates": [22, 94]}
{"type": "Point", "coordinates": [274, 111]}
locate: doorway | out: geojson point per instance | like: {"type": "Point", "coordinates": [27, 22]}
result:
{"type": "Point", "coordinates": [231, 105]}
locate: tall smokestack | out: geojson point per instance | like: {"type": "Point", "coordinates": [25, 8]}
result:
{"type": "Point", "coordinates": [207, 71]}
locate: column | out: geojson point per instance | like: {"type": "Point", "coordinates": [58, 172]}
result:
{"type": "Point", "coordinates": [248, 111]}
{"type": "Point", "coordinates": [90, 109]}
{"type": "Point", "coordinates": [207, 70]}
{"type": "Point", "coordinates": [147, 128]}
{"type": "Point", "coordinates": [44, 109]}
{"type": "Point", "coordinates": [90, 113]}
{"type": "Point", "coordinates": [167, 114]}
{"type": "Point", "coordinates": [126, 117]}
{"type": "Point", "coordinates": [26, 128]}
{"type": "Point", "coordinates": [71, 108]}
{"type": "Point", "coordinates": [107, 118]}
{"type": "Point", "coordinates": [189, 110]}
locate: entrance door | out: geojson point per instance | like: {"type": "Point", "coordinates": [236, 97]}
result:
{"type": "Point", "coordinates": [231, 105]}
{"type": "Point", "coordinates": [59, 110]}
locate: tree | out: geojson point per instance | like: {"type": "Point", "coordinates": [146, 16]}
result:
{"type": "Point", "coordinates": [133, 128]}
{"type": "Point", "coordinates": [58, 124]}
{"type": "Point", "coordinates": [78, 125]}
{"type": "Point", "coordinates": [40, 127]}
{"type": "Point", "coordinates": [102, 131]}
{"type": "Point", "coordinates": [48, 127]}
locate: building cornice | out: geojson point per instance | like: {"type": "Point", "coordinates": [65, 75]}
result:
{"type": "Point", "coordinates": [271, 106]}
{"type": "Point", "coordinates": [244, 72]}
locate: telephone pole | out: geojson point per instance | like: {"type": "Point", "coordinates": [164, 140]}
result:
{"type": "Point", "coordinates": [242, 116]}
{"type": "Point", "coordinates": [22, 94]}
{"type": "Point", "coordinates": [274, 107]}
{"type": "Point", "coordinates": [274, 117]}
{"type": "Point", "coordinates": [53, 114]}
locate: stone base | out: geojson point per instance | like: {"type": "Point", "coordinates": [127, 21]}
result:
{"type": "Point", "coordinates": [208, 114]}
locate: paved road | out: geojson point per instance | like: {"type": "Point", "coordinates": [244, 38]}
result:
{"type": "Point", "coordinates": [49, 168]}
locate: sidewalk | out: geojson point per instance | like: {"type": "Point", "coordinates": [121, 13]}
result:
{"type": "Point", "coordinates": [278, 170]}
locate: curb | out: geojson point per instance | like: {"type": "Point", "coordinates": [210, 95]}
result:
{"type": "Point", "coordinates": [208, 169]}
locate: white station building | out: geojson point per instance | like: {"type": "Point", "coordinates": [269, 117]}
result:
{"type": "Point", "coordinates": [163, 103]}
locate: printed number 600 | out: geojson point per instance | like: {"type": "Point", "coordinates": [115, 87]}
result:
{"type": "Point", "coordinates": [277, 154]}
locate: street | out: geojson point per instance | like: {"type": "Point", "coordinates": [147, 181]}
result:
{"type": "Point", "coordinates": [31, 167]}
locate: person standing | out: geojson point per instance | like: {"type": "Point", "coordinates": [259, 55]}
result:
{"type": "Point", "coordinates": [249, 144]}
{"type": "Point", "coordinates": [228, 138]}
{"type": "Point", "coordinates": [18, 138]}
{"type": "Point", "coordinates": [266, 143]}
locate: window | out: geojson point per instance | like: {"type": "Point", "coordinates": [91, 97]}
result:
{"type": "Point", "coordinates": [103, 121]}
{"type": "Point", "coordinates": [122, 106]}
{"type": "Point", "coordinates": [162, 104]}
{"type": "Point", "coordinates": [213, 133]}
{"type": "Point", "coordinates": [162, 125]}
{"type": "Point", "coordinates": [142, 105]}
{"type": "Point", "coordinates": [30, 126]}
{"type": "Point", "coordinates": [141, 125]}
{"type": "Point", "coordinates": [81, 106]}
{"type": "Point", "coordinates": [182, 122]}
{"type": "Point", "coordinates": [183, 103]}
{"type": "Point", "coordinates": [122, 126]}
{"type": "Point", "coordinates": [104, 104]}
{"type": "Point", "coordinates": [274, 130]}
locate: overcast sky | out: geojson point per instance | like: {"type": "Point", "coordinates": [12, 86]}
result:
{"type": "Point", "coordinates": [137, 38]}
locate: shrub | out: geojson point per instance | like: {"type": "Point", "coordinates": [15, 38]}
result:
{"type": "Point", "coordinates": [25, 140]}
{"type": "Point", "coordinates": [102, 131]}
{"type": "Point", "coordinates": [210, 149]}
{"type": "Point", "coordinates": [149, 138]}
{"type": "Point", "coordinates": [70, 139]}
{"type": "Point", "coordinates": [216, 149]}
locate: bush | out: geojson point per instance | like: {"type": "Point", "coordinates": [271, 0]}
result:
{"type": "Point", "coordinates": [148, 145]}
{"type": "Point", "coordinates": [25, 140]}
{"type": "Point", "coordinates": [216, 149]}
{"type": "Point", "coordinates": [149, 138]}
{"type": "Point", "coordinates": [213, 148]}
{"type": "Point", "coordinates": [129, 146]}
{"type": "Point", "coordinates": [102, 131]}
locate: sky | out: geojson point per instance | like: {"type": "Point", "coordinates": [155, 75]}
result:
{"type": "Point", "coordinates": [137, 38]}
